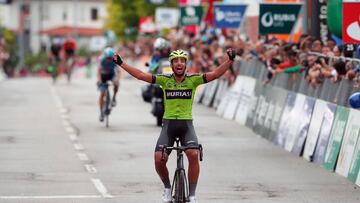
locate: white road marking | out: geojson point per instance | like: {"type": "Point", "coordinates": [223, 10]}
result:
{"type": "Point", "coordinates": [83, 157]}
{"type": "Point", "coordinates": [66, 123]}
{"type": "Point", "coordinates": [101, 188]}
{"type": "Point", "coordinates": [54, 197]}
{"type": "Point", "coordinates": [69, 129]}
{"type": "Point", "coordinates": [79, 147]}
{"type": "Point", "coordinates": [64, 116]}
{"type": "Point", "coordinates": [73, 137]}
{"type": "Point", "coordinates": [63, 110]}
{"type": "Point", "coordinates": [90, 168]}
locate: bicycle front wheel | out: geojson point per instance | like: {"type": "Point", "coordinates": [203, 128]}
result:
{"type": "Point", "coordinates": [179, 187]}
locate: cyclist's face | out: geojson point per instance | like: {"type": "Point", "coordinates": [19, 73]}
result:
{"type": "Point", "coordinates": [178, 66]}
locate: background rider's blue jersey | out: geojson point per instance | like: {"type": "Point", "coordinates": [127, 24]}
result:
{"type": "Point", "coordinates": [106, 66]}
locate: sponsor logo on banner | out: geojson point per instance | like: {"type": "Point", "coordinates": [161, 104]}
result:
{"type": "Point", "coordinates": [304, 117]}
{"type": "Point", "coordinates": [178, 94]}
{"type": "Point", "coordinates": [228, 16]}
{"type": "Point", "coordinates": [278, 18]}
{"type": "Point", "coordinates": [166, 17]}
{"type": "Point", "coordinates": [324, 133]}
{"type": "Point", "coordinates": [191, 15]}
{"type": "Point", "coordinates": [351, 22]}
{"type": "Point", "coordinates": [349, 143]}
{"type": "Point", "coordinates": [287, 121]}
{"type": "Point", "coordinates": [317, 18]}
{"type": "Point", "coordinates": [336, 137]}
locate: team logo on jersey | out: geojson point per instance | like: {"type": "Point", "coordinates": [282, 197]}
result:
{"type": "Point", "coordinates": [178, 94]}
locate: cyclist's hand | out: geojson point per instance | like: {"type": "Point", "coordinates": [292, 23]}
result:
{"type": "Point", "coordinates": [117, 59]}
{"type": "Point", "coordinates": [231, 54]}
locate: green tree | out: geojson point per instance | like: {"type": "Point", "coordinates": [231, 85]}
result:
{"type": "Point", "coordinates": [123, 15]}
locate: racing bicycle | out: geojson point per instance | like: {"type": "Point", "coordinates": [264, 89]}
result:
{"type": "Point", "coordinates": [106, 108]}
{"type": "Point", "coordinates": [180, 187]}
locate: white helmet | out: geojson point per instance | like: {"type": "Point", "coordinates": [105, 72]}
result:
{"type": "Point", "coordinates": [161, 43]}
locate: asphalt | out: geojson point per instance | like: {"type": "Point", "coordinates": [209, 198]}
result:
{"type": "Point", "coordinates": [54, 149]}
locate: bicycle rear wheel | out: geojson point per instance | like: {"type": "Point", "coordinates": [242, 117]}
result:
{"type": "Point", "coordinates": [179, 191]}
{"type": "Point", "coordinates": [107, 107]}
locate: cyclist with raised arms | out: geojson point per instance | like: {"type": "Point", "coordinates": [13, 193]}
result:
{"type": "Point", "coordinates": [107, 71]}
{"type": "Point", "coordinates": [179, 89]}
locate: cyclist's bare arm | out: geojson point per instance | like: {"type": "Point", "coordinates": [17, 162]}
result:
{"type": "Point", "coordinates": [219, 71]}
{"type": "Point", "coordinates": [138, 74]}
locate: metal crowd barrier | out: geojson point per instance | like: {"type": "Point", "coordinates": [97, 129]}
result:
{"type": "Point", "coordinates": [329, 91]}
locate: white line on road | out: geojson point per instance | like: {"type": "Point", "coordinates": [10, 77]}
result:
{"type": "Point", "coordinates": [90, 168]}
{"type": "Point", "coordinates": [64, 116]}
{"type": "Point", "coordinates": [79, 147]}
{"type": "Point", "coordinates": [63, 110]}
{"type": "Point", "coordinates": [66, 123]}
{"type": "Point", "coordinates": [53, 197]}
{"type": "Point", "coordinates": [101, 188]}
{"type": "Point", "coordinates": [83, 157]}
{"type": "Point", "coordinates": [69, 129]}
{"type": "Point", "coordinates": [73, 137]}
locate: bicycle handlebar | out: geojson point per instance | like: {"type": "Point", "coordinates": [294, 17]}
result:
{"type": "Point", "coordinates": [181, 149]}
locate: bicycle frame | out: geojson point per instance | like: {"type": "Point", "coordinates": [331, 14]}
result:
{"type": "Point", "coordinates": [179, 188]}
{"type": "Point", "coordinates": [107, 105]}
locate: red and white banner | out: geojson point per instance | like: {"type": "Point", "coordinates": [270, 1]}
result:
{"type": "Point", "coordinates": [351, 22]}
{"type": "Point", "coordinates": [147, 24]}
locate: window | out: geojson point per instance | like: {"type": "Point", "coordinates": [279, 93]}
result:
{"type": "Point", "coordinates": [94, 14]}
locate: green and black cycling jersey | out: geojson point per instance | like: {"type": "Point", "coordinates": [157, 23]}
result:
{"type": "Point", "coordinates": [178, 97]}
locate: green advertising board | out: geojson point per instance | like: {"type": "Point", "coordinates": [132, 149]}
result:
{"type": "Point", "coordinates": [278, 18]}
{"type": "Point", "coordinates": [355, 164]}
{"type": "Point", "coordinates": [191, 15]}
{"type": "Point", "coordinates": [336, 137]}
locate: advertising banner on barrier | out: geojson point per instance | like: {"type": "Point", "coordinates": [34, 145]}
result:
{"type": "Point", "coordinates": [220, 92]}
{"type": "Point", "coordinates": [286, 122]}
{"type": "Point", "coordinates": [314, 129]}
{"type": "Point", "coordinates": [199, 94]}
{"type": "Point", "coordinates": [246, 95]}
{"type": "Point", "coordinates": [349, 143]}
{"type": "Point", "coordinates": [296, 115]}
{"type": "Point", "coordinates": [355, 163]}
{"type": "Point", "coordinates": [210, 93]}
{"type": "Point", "coordinates": [278, 98]}
{"type": "Point", "coordinates": [234, 95]}
{"type": "Point", "coordinates": [223, 104]}
{"type": "Point", "coordinates": [278, 18]}
{"type": "Point", "coordinates": [336, 137]}
{"type": "Point", "coordinates": [304, 118]}
{"type": "Point", "coordinates": [253, 110]}
{"type": "Point", "coordinates": [324, 133]}
{"type": "Point", "coordinates": [229, 15]}
{"type": "Point", "coordinates": [261, 109]}
{"type": "Point", "coordinates": [265, 114]}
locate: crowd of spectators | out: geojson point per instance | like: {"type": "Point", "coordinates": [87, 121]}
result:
{"type": "Point", "coordinates": [309, 58]}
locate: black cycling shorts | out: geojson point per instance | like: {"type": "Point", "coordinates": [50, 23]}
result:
{"type": "Point", "coordinates": [183, 129]}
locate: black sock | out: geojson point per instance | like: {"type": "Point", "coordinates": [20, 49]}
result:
{"type": "Point", "coordinates": [192, 188]}
{"type": "Point", "coordinates": [166, 183]}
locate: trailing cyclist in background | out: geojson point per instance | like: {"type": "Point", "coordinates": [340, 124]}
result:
{"type": "Point", "coordinates": [69, 47]}
{"type": "Point", "coordinates": [54, 58]}
{"type": "Point", "coordinates": [178, 89]}
{"type": "Point", "coordinates": [107, 71]}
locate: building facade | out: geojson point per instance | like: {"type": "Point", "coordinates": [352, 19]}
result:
{"type": "Point", "coordinates": [42, 20]}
